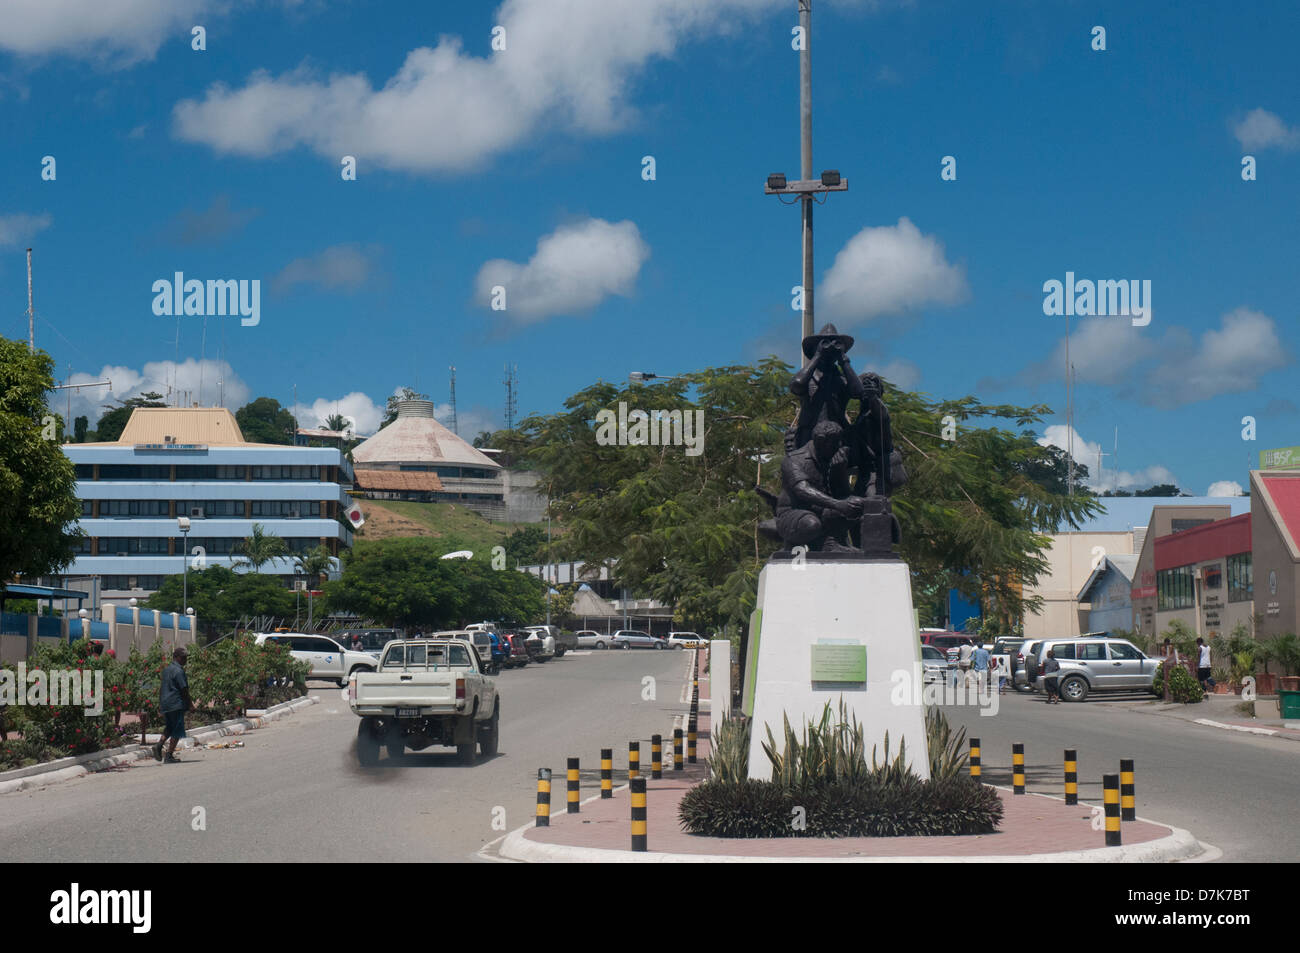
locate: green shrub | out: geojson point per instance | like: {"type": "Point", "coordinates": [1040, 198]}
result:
{"type": "Point", "coordinates": [729, 762]}
{"type": "Point", "coordinates": [827, 752]}
{"type": "Point", "coordinates": [948, 752]}
{"type": "Point", "coordinates": [67, 728]}
{"type": "Point", "coordinates": [957, 806]}
{"type": "Point", "coordinates": [1183, 687]}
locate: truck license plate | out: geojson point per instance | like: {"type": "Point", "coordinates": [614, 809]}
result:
{"type": "Point", "coordinates": [408, 713]}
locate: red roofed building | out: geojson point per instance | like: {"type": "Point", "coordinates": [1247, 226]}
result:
{"type": "Point", "coordinates": [1275, 532]}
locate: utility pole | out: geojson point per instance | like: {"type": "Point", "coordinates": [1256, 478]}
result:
{"type": "Point", "coordinates": [1069, 417]}
{"type": "Point", "coordinates": [806, 187]}
{"type": "Point", "coordinates": [31, 315]}
{"type": "Point", "coordinates": [511, 378]}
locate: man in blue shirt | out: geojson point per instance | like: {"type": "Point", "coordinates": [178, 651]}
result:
{"type": "Point", "coordinates": [980, 662]}
{"type": "Point", "coordinates": [174, 701]}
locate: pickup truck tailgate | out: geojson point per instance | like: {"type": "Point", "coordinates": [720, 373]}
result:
{"type": "Point", "coordinates": [407, 690]}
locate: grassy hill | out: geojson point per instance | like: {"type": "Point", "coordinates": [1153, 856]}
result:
{"type": "Point", "coordinates": [461, 526]}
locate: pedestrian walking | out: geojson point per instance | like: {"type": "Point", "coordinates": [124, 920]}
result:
{"type": "Point", "coordinates": [998, 670]}
{"type": "Point", "coordinates": [174, 701]}
{"type": "Point", "coordinates": [964, 662]}
{"type": "Point", "coordinates": [1203, 666]}
{"type": "Point", "coordinates": [1050, 667]}
{"type": "Point", "coordinates": [980, 663]}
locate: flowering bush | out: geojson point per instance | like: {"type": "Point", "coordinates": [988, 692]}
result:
{"type": "Point", "coordinates": [236, 674]}
{"type": "Point", "coordinates": [66, 727]}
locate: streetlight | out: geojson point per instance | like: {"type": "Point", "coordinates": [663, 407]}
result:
{"type": "Point", "coordinates": [183, 524]}
{"type": "Point", "coordinates": [641, 376]}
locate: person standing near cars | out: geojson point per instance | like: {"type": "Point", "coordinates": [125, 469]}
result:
{"type": "Point", "coordinates": [1050, 667]}
{"type": "Point", "coordinates": [174, 701]}
{"type": "Point", "coordinates": [980, 663]}
{"type": "Point", "coordinates": [964, 661]}
{"type": "Point", "coordinates": [1203, 665]}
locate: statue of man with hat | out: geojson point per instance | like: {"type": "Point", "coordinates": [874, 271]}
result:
{"type": "Point", "coordinates": [824, 385]}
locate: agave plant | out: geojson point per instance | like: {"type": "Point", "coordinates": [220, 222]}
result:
{"type": "Point", "coordinates": [830, 751]}
{"type": "Point", "coordinates": [947, 751]}
{"type": "Point", "coordinates": [729, 762]}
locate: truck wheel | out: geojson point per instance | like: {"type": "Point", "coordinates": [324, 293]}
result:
{"type": "Point", "coordinates": [559, 653]}
{"type": "Point", "coordinates": [490, 735]}
{"type": "Point", "coordinates": [1074, 689]}
{"type": "Point", "coordinates": [393, 743]}
{"type": "Point", "coordinates": [465, 752]}
{"type": "Point", "coordinates": [367, 743]}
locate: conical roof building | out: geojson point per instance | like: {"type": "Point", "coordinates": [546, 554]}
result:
{"type": "Point", "coordinates": [417, 458]}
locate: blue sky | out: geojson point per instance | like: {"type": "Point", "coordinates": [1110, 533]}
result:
{"type": "Point", "coordinates": [522, 168]}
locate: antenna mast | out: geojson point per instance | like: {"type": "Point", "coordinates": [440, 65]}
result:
{"type": "Point", "coordinates": [31, 315]}
{"type": "Point", "coordinates": [512, 372]}
{"type": "Point", "coordinates": [454, 428]}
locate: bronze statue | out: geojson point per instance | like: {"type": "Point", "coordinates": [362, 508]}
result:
{"type": "Point", "coordinates": [819, 508]}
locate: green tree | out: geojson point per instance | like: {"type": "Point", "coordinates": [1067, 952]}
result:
{"type": "Point", "coordinates": [390, 414]}
{"type": "Point", "coordinates": [80, 426]}
{"type": "Point", "coordinates": [112, 424]}
{"type": "Point", "coordinates": [1161, 489]}
{"type": "Point", "coordinates": [38, 500]}
{"type": "Point", "coordinates": [259, 549]}
{"type": "Point", "coordinates": [1052, 472]}
{"type": "Point", "coordinates": [220, 597]}
{"type": "Point", "coordinates": [265, 421]}
{"type": "Point", "coordinates": [525, 546]}
{"type": "Point", "coordinates": [683, 528]}
{"type": "Point", "coordinates": [313, 564]}
{"type": "Point", "coordinates": [336, 422]}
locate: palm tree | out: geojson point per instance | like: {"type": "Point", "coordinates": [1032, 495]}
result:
{"type": "Point", "coordinates": [313, 564]}
{"type": "Point", "coordinates": [259, 549]}
{"type": "Point", "coordinates": [337, 423]}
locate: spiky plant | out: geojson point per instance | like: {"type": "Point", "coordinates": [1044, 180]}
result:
{"type": "Point", "coordinates": [729, 762]}
{"type": "Point", "coordinates": [947, 751]}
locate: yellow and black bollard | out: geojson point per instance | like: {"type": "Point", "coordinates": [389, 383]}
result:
{"type": "Point", "coordinates": [573, 786]}
{"type": "Point", "coordinates": [656, 757]}
{"type": "Point", "coordinates": [677, 749]}
{"type": "Point", "coordinates": [606, 772]}
{"type": "Point", "coordinates": [1071, 776]}
{"type": "Point", "coordinates": [543, 797]}
{"type": "Point", "coordinates": [638, 814]}
{"type": "Point", "coordinates": [1127, 791]}
{"type": "Point", "coordinates": [975, 758]}
{"type": "Point", "coordinates": [1018, 768]}
{"type": "Point", "coordinates": [633, 759]}
{"type": "Point", "coordinates": [690, 740]}
{"type": "Point", "coordinates": [1110, 792]}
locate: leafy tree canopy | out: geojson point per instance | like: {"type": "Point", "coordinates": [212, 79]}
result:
{"type": "Point", "coordinates": [38, 500]}
{"type": "Point", "coordinates": [683, 529]}
{"type": "Point", "coordinates": [390, 414]}
{"type": "Point", "coordinates": [220, 596]}
{"type": "Point", "coordinates": [265, 421]}
{"type": "Point", "coordinates": [112, 424]}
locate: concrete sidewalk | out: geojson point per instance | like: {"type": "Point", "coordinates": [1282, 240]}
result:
{"type": "Point", "coordinates": [1034, 828]}
{"type": "Point", "coordinates": [1219, 711]}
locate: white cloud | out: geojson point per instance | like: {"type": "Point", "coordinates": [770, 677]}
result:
{"type": "Point", "coordinates": [900, 372]}
{"type": "Point", "coordinates": [185, 381]}
{"type": "Point", "coordinates": [1103, 478]}
{"type": "Point", "coordinates": [889, 270]}
{"type": "Point", "coordinates": [127, 30]}
{"type": "Point", "coordinates": [1225, 488]}
{"type": "Point", "coordinates": [1102, 351]}
{"type": "Point", "coordinates": [356, 407]}
{"type": "Point", "coordinates": [18, 229]}
{"type": "Point", "coordinates": [1261, 129]}
{"type": "Point", "coordinates": [339, 266]}
{"type": "Point", "coordinates": [574, 269]}
{"type": "Point", "coordinates": [568, 64]}
{"type": "Point", "coordinates": [1229, 359]}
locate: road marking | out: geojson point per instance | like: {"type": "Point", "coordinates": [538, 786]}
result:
{"type": "Point", "coordinates": [1246, 728]}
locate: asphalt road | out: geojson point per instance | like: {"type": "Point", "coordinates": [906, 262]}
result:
{"type": "Point", "coordinates": [296, 793]}
{"type": "Point", "coordinates": [1232, 790]}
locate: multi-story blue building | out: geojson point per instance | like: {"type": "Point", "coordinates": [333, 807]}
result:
{"type": "Point", "coordinates": [194, 463]}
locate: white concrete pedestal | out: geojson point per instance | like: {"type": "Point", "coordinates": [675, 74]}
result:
{"type": "Point", "coordinates": [834, 603]}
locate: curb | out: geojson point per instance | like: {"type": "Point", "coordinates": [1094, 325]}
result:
{"type": "Point", "coordinates": [65, 769]}
{"type": "Point", "coordinates": [1179, 845]}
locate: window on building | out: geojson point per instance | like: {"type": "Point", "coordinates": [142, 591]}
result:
{"type": "Point", "coordinates": [131, 471]}
{"type": "Point", "coordinates": [1175, 589]}
{"type": "Point", "coordinates": [286, 509]}
{"type": "Point", "coordinates": [1177, 526]}
{"type": "Point", "coordinates": [1241, 578]}
{"type": "Point", "coordinates": [115, 509]}
{"type": "Point", "coordinates": [87, 507]}
{"type": "Point", "coordinates": [286, 473]}
{"type": "Point", "coordinates": [210, 472]}
{"type": "Point", "coordinates": [210, 507]}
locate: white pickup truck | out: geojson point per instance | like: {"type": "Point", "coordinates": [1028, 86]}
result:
{"type": "Point", "coordinates": [426, 692]}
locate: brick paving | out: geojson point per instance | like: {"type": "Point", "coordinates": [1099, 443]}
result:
{"type": "Point", "coordinates": [1031, 824]}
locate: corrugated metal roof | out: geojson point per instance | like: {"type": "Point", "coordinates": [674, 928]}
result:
{"type": "Point", "coordinates": [214, 426]}
{"type": "Point", "coordinates": [1124, 513]}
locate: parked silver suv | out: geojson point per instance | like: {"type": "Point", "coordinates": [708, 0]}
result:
{"type": "Point", "coordinates": [1097, 665]}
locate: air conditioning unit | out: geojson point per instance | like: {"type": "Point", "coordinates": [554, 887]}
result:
{"type": "Point", "coordinates": [196, 512]}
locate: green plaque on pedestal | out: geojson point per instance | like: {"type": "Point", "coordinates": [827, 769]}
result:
{"type": "Point", "coordinates": [839, 663]}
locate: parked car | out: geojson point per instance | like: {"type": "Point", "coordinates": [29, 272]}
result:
{"type": "Point", "coordinates": [564, 641]}
{"type": "Point", "coordinates": [481, 641]}
{"type": "Point", "coordinates": [426, 692]}
{"type": "Point", "coordinates": [1025, 666]}
{"type": "Point", "coordinates": [326, 657]}
{"type": "Point", "coordinates": [934, 664]}
{"type": "Point", "coordinates": [949, 643]}
{"type": "Point", "coordinates": [518, 656]}
{"type": "Point", "coordinates": [1092, 664]}
{"type": "Point", "coordinates": [634, 639]}
{"type": "Point", "coordinates": [500, 650]}
{"type": "Point", "coordinates": [539, 644]}
{"type": "Point", "coordinates": [686, 640]}
{"type": "Point", "coordinates": [372, 640]}
{"type": "Point", "coordinates": [587, 639]}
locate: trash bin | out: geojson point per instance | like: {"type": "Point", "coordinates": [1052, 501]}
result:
{"type": "Point", "coordinates": [1289, 703]}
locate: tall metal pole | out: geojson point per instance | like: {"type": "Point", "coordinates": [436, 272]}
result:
{"type": "Point", "coordinates": [805, 159]}
{"type": "Point", "coordinates": [31, 315]}
{"type": "Point", "coordinates": [185, 573]}
{"type": "Point", "coordinates": [548, 569]}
